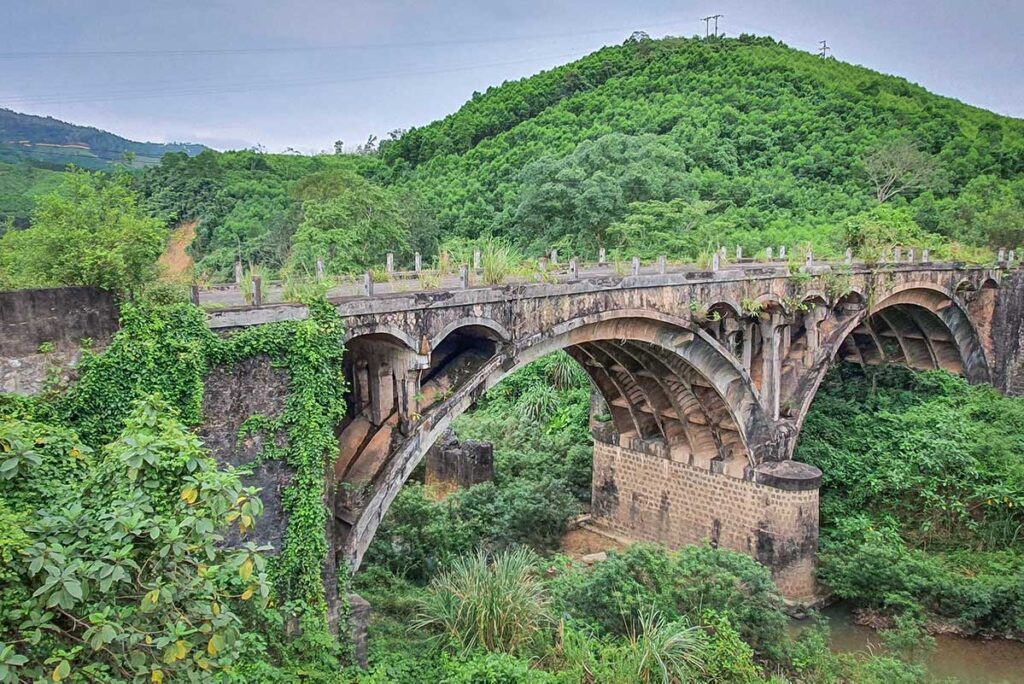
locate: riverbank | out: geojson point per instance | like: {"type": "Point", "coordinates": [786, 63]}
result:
{"type": "Point", "coordinates": [968, 660]}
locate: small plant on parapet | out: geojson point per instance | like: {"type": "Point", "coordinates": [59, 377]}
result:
{"type": "Point", "coordinates": [838, 284]}
{"type": "Point", "coordinates": [800, 277]}
{"type": "Point", "coordinates": [430, 280]}
{"type": "Point", "coordinates": [46, 348]}
{"type": "Point", "coordinates": [752, 307]}
{"type": "Point", "coordinates": [498, 260]}
{"type": "Point", "coordinates": [255, 271]}
{"type": "Point", "coordinates": [698, 311]}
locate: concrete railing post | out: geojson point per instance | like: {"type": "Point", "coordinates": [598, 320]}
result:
{"type": "Point", "coordinates": [1011, 256]}
{"type": "Point", "coordinates": [574, 269]}
{"type": "Point", "coordinates": [723, 252]}
{"type": "Point", "coordinates": [782, 253]}
{"type": "Point", "coordinates": [477, 260]}
{"type": "Point", "coordinates": [768, 254]}
{"type": "Point", "coordinates": [910, 255]}
{"type": "Point", "coordinates": [554, 257]}
{"type": "Point", "coordinates": [739, 253]}
{"type": "Point", "coordinates": [1001, 255]}
{"type": "Point", "coordinates": [897, 255]}
{"type": "Point", "coordinates": [926, 256]}
{"type": "Point", "coordinates": [716, 261]}
{"type": "Point", "coordinates": [602, 257]}
{"type": "Point", "coordinates": [418, 261]}
{"type": "Point", "coordinates": [390, 263]}
{"type": "Point", "coordinates": [662, 264]}
{"type": "Point", "coordinates": [464, 276]}
{"type": "Point", "coordinates": [368, 284]}
{"type": "Point", "coordinates": [238, 272]}
{"type": "Point", "coordinates": [636, 266]}
{"type": "Point", "coordinates": [195, 293]}
{"type": "Point", "coordinates": [849, 256]}
{"type": "Point", "coordinates": [543, 264]}
{"type": "Point", "coordinates": [257, 291]}
{"type": "Point", "coordinates": [319, 269]}
{"type": "Point", "coordinates": [809, 259]}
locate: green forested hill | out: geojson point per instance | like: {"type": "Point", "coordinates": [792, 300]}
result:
{"type": "Point", "coordinates": [52, 143]}
{"type": "Point", "coordinates": [20, 185]}
{"type": "Point", "coordinates": [772, 137]}
{"type": "Point", "coordinates": [671, 146]}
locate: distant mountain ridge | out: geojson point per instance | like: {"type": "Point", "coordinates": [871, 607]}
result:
{"type": "Point", "coordinates": [50, 143]}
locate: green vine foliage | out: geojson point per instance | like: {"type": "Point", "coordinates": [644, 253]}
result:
{"type": "Point", "coordinates": [167, 351]}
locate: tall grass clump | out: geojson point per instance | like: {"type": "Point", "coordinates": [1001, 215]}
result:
{"type": "Point", "coordinates": [498, 261]}
{"type": "Point", "coordinates": [659, 650]}
{"type": "Point", "coordinates": [494, 602]}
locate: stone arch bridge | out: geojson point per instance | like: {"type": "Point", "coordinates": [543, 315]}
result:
{"type": "Point", "coordinates": [707, 377]}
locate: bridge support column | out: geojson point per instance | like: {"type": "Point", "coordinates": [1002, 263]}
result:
{"type": "Point", "coordinates": [771, 513]}
{"type": "Point", "coordinates": [772, 340]}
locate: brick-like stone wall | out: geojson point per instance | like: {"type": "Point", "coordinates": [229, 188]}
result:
{"type": "Point", "coordinates": [653, 498]}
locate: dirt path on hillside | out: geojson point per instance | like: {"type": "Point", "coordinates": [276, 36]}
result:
{"type": "Point", "coordinates": [175, 263]}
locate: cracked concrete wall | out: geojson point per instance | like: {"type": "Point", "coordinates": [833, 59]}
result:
{"type": "Point", "coordinates": [59, 317]}
{"type": "Point", "coordinates": [1008, 335]}
{"type": "Point", "coordinates": [232, 395]}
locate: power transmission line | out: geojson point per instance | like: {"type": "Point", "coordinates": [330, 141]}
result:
{"type": "Point", "coordinates": [823, 50]}
{"type": "Point", "coordinates": [707, 23]}
{"type": "Point", "coordinates": [242, 87]}
{"type": "Point", "coordinates": [61, 54]}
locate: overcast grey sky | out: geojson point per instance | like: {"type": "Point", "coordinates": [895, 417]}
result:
{"type": "Point", "coordinates": [303, 73]}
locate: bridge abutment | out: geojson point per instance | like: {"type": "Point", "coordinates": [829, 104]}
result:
{"type": "Point", "coordinates": [770, 512]}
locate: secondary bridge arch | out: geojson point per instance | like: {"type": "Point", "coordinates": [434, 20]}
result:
{"type": "Point", "coordinates": [922, 325]}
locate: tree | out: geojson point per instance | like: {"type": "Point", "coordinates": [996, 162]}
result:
{"type": "Point", "coordinates": [339, 147]}
{"type": "Point", "coordinates": [89, 231]}
{"type": "Point", "coordinates": [899, 166]}
{"type": "Point", "coordinates": [348, 221]}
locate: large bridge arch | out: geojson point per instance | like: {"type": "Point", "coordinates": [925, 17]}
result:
{"type": "Point", "coordinates": [696, 400]}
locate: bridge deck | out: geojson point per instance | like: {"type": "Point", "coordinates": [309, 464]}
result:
{"type": "Point", "coordinates": [226, 306]}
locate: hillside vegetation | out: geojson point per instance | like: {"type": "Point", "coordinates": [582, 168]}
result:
{"type": "Point", "coordinates": [53, 143]}
{"type": "Point", "coordinates": [669, 146]}
{"type": "Point", "coordinates": [34, 150]}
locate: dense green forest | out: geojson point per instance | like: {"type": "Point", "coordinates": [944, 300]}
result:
{"type": "Point", "coordinates": [671, 146]}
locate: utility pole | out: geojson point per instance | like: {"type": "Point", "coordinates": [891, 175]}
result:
{"type": "Point", "coordinates": [823, 50]}
{"type": "Point", "coordinates": [707, 24]}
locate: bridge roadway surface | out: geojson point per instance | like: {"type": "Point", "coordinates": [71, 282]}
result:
{"type": "Point", "coordinates": [225, 295]}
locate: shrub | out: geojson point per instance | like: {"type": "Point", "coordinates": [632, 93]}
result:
{"type": "Point", "coordinates": [130, 578]}
{"type": "Point", "coordinates": [659, 650]}
{"type": "Point", "coordinates": [678, 584]}
{"type": "Point", "coordinates": [496, 603]}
